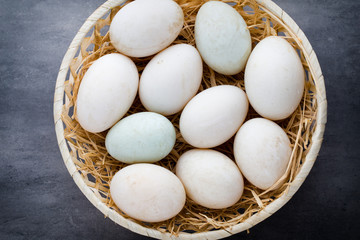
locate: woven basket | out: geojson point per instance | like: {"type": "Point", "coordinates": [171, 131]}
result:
{"type": "Point", "coordinates": [92, 168]}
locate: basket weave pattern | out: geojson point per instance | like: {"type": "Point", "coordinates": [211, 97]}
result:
{"type": "Point", "coordinates": [92, 167]}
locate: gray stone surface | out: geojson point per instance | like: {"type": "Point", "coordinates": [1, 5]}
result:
{"type": "Point", "coordinates": [38, 198]}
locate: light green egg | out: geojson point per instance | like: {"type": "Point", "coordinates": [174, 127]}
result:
{"type": "Point", "coordinates": [141, 137]}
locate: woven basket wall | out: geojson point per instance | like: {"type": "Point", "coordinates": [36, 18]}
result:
{"type": "Point", "coordinates": [91, 167]}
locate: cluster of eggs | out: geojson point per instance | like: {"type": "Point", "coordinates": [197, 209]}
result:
{"type": "Point", "coordinates": [274, 84]}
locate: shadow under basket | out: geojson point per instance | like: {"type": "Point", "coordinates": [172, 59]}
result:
{"type": "Point", "coordinates": [92, 168]}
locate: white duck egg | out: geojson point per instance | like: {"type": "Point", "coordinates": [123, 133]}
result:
{"type": "Point", "coordinates": [144, 27]}
{"type": "Point", "coordinates": [171, 79]}
{"type": "Point", "coordinates": [213, 116]}
{"type": "Point", "coordinates": [210, 178]}
{"type": "Point", "coordinates": [262, 151]}
{"type": "Point", "coordinates": [147, 192]}
{"type": "Point", "coordinates": [106, 92]}
{"type": "Point", "coordinates": [274, 78]}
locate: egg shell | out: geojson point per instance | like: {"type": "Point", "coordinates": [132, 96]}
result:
{"type": "Point", "coordinates": [210, 178]}
{"type": "Point", "coordinates": [141, 137]}
{"type": "Point", "coordinates": [171, 79]}
{"type": "Point", "coordinates": [147, 192]}
{"type": "Point", "coordinates": [144, 27]}
{"type": "Point", "coordinates": [262, 151]}
{"type": "Point", "coordinates": [106, 92]}
{"type": "Point", "coordinates": [222, 37]}
{"type": "Point", "coordinates": [274, 78]}
{"type": "Point", "coordinates": [213, 116]}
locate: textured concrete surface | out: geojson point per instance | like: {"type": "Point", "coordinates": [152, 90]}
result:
{"type": "Point", "coordinates": [38, 198]}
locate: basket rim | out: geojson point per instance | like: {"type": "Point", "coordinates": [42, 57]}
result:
{"type": "Point", "coordinates": [282, 17]}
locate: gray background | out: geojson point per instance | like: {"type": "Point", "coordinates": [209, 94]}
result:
{"type": "Point", "coordinates": [38, 198]}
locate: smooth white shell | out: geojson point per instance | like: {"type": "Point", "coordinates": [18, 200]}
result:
{"type": "Point", "coordinates": [147, 192]}
{"type": "Point", "coordinates": [222, 37]}
{"type": "Point", "coordinates": [210, 178]}
{"type": "Point", "coordinates": [213, 116]}
{"type": "Point", "coordinates": [274, 78]}
{"type": "Point", "coordinates": [144, 27]}
{"type": "Point", "coordinates": [171, 79]}
{"type": "Point", "coordinates": [106, 92]}
{"type": "Point", "coordinates": [141, 137]}
{"type": "Point", "coordinates": [262, 151]}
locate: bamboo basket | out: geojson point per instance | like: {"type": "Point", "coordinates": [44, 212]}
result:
{"type": "Point", "coordinates": [92, 168]}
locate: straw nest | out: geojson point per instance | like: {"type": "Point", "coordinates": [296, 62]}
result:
{"type": "Point", "coordinates": [93, 168]}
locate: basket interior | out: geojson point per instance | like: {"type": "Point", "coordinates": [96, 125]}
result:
{"type": "Point", "coordinates": [97, 167]}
